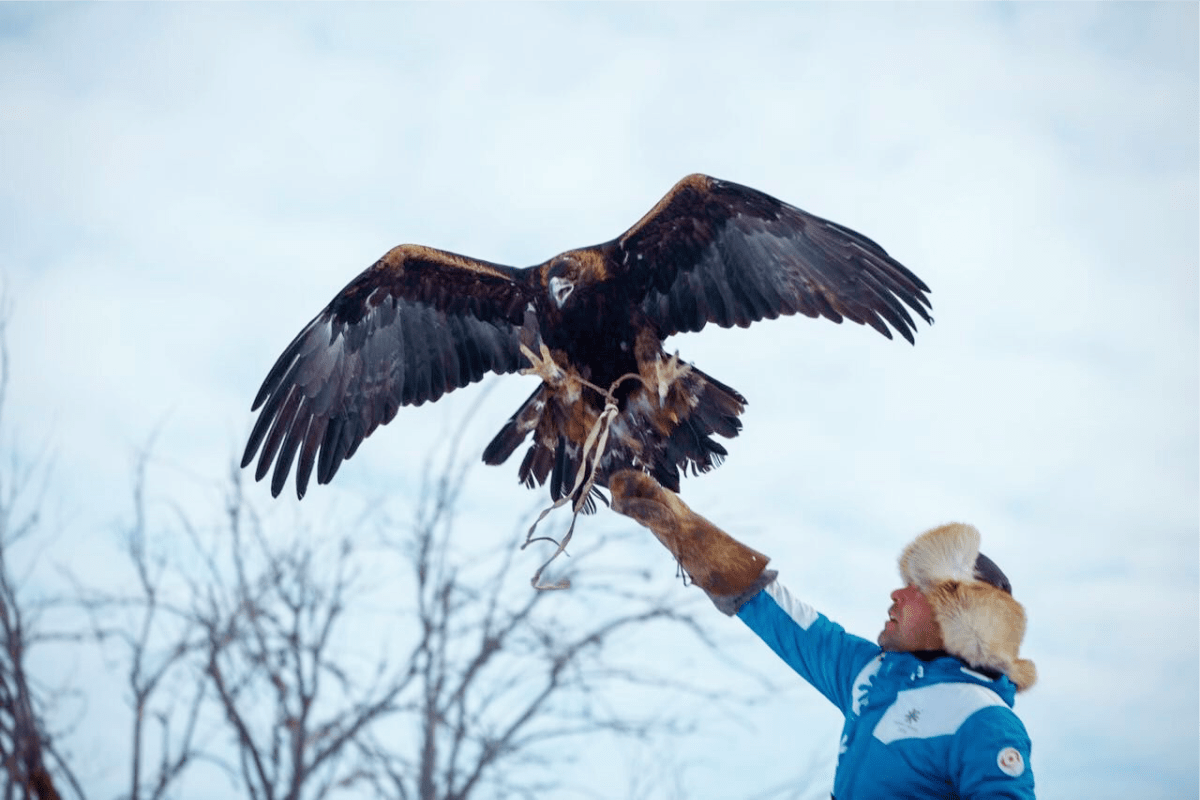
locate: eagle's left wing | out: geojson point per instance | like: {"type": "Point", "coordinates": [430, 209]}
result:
{"type": "Point", "coordinates": [418, 323]}
{"type": "Point", "coordinates": [714, 251]}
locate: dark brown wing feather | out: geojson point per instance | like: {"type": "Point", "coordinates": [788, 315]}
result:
{"type": "Point", "coordinates": [415, 325]}
{"type": "Point", "coordinates": [714, 251]}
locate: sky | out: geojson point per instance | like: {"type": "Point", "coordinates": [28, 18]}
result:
{"type": "Point", "coordinates": [186, 186]}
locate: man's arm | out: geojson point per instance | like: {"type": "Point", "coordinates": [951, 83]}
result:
{"type": "Point", "coordinates": [736, 578]}
{"type": "Point", "coordinates": [818, 649]}
{"type": "Point", "coordinates": [989, 757]}
{"type": "Point", "coordinates": [729, 572]}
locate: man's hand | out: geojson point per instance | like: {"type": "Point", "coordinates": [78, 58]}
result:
{"type": "Point", "coordinates": [729, 571]}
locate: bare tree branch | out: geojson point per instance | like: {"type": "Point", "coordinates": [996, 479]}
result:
{"type": "Point", "coordinates": [248, 650]}
{"type": "Point", "coordinates": [25, 740]}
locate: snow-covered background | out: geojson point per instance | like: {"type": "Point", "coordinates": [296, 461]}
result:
{"type": "Point", "coordinates": [183, 187]}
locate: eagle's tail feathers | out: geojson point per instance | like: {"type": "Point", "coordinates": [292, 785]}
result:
{"type": "Point", "coordinates": [666, 473]}
{"type": "Point", "coordinates": [515, 430]}
{"type": "Point", "coordinates": [559, 471]}
{"type": "Point", "coordinates": [564, 470]}
{"type": "Point", "coordinates": [690, 446]}
{"type": "Point", "coordinates": [589, 503]}
{"type": "Point", "coordinates": [536, 466]}
{"type": "Point", "coordinates": [718, 406]}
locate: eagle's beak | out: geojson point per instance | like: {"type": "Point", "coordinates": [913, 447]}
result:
{"type": "Point", "coordinates": [560, 290]}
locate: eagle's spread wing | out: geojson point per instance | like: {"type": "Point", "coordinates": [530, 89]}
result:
{"type": "Point", "coordinates": [714, 251]}
{"type": "Point", "coordinates": [417, 324]}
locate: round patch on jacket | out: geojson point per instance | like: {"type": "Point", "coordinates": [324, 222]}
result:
{"type": "Point", "coordinates": [1010, 762]}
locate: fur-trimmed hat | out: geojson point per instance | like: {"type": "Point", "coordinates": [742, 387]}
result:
{"type": "Point", "coordinates": [972, 600]}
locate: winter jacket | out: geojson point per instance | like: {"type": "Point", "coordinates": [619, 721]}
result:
{"type": "Point", "coordinates": [917, 725]}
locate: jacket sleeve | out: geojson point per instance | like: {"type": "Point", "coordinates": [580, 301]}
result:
{"type": "Point", "coordinates": [990, 757]}
{"type": "Point", "coordinates": [818, 649]}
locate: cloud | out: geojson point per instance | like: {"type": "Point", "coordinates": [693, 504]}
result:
{"type": "Point", "coordinates": [186, 186]}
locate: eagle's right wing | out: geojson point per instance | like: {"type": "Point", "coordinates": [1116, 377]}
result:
{"type": "Point", "coordinates": [417, 324]}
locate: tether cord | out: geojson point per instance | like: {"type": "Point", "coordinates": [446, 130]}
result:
{"type": "Point", "coordinates": [593, 450]}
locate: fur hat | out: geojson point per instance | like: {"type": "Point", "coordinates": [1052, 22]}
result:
{"type": "Point", "coordinates": [972, 600]}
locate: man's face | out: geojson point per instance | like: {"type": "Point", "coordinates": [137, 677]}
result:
{"type": "Point", "coordinates": [910, 624]}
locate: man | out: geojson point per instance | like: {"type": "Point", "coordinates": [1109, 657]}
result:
{"type": "Point", "coordinates": [929, 708]}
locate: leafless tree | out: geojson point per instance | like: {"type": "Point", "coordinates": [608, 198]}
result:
{"type": "Point", "coordinates": [507, 679]}
{"type": "Point", "coordinates": [26, 746]}
{"type": "Point", "coordinates": [398, 657]}
{"type": "Point", "coordinates": [32, 765]}
{"type": "Point", "coordinates": [476, 677]}
{"type": "Point", "coordinates": [271, 615]}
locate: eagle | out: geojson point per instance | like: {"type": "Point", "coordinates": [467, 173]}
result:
{"type": "Point", "coordinates": [591, 323]}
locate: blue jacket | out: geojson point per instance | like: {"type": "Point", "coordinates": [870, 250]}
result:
{"type": "Point", "coordinates": [916, 727]}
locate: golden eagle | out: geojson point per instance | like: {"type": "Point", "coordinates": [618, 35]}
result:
{"type": "Point", "coordinates": [590, 322]}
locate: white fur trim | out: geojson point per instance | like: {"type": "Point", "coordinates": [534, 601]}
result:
{"type": "Point", "coordinates": [983, 626]}
{"type": "Point", "coordinates": [946, 553]}
{"type": "Point", "coordinates": [980, 624]}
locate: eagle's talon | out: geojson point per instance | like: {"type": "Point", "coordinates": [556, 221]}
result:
{"type": "Point", "coordinates": [543, 366]}
{"type": "Point", "coordinates": [667, 370]}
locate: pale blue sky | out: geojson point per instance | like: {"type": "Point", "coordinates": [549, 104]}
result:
{"type": "Point", "coordinates": [185, 186]}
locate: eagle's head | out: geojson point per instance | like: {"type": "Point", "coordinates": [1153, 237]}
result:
{"type": "Point", "coordinates": [569, 272]}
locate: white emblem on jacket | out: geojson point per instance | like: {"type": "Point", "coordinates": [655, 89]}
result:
{"type": "Point", "coordinates": [937, 710]}
{"type": "Point", "coordinates": [862, 683]}
{"type": "Point", "coordinates": [1010, 762]}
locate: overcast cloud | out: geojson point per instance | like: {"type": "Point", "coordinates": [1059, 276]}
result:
{"type": "Point", "coordinates": [185, 186]}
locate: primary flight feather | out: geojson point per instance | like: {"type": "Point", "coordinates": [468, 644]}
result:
{"type": "Point", "coordinates": [590, 322]}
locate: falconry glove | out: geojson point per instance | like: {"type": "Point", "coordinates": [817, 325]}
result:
{"type": "Point", "coordinates": [728, 571]}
